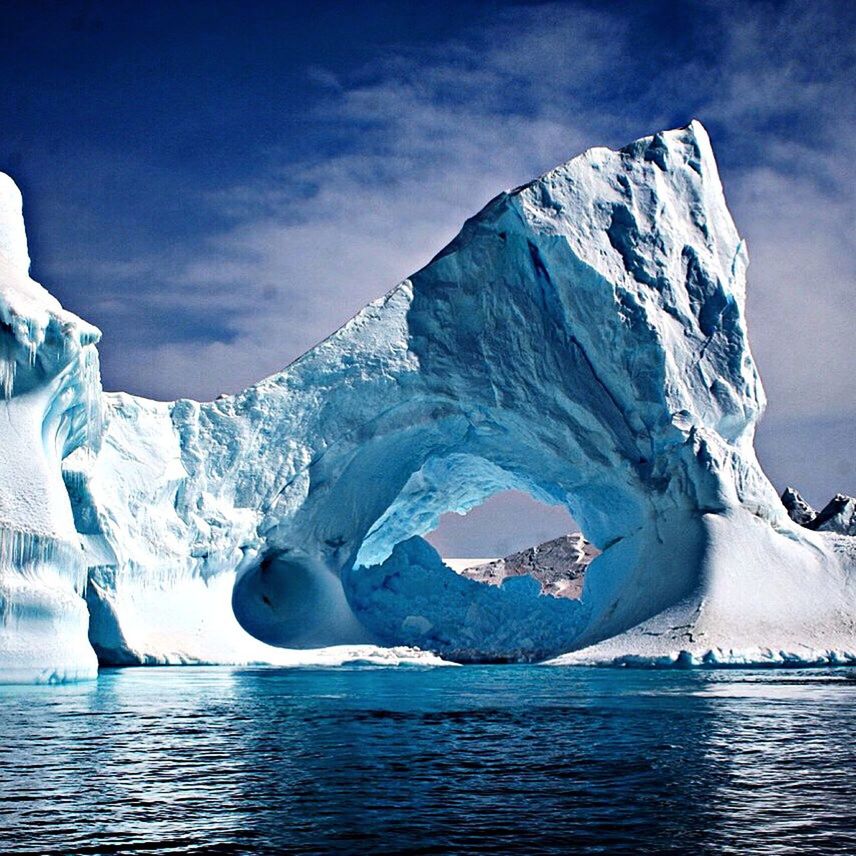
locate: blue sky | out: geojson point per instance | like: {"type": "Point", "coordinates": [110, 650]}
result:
{"type": "Point", "coordinates": [219, 185]}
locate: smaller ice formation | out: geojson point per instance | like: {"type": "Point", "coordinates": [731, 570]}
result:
{"type": "Point", "coordinates": [50, 405]}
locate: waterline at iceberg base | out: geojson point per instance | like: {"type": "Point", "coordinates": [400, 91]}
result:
{"type": "Point", "coordinates": [583, 339]}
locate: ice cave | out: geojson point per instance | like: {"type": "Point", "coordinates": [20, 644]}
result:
{"type": "Point", "coordinates": [583, 339]}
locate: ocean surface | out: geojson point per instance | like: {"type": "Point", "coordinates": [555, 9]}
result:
{"type": "Point", "coordinates": [478, 759]}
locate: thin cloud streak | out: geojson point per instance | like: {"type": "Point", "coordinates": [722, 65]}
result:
{"type": "Point", "coordinates": [423, 138]}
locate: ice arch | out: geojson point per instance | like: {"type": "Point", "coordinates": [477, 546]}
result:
{"type": "Point", "coordinates": [582, 339]}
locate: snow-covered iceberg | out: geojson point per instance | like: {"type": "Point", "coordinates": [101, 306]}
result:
{"type": "Point", "coordinates": [582, 339]}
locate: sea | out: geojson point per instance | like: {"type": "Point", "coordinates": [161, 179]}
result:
{"type": "Point", "coordinates": [495, 759]}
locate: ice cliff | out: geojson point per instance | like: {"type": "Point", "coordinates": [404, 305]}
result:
{"type": "Point", "coordinates": [582, 339]}
{"type": "Point", "coordinates": [49, 406]}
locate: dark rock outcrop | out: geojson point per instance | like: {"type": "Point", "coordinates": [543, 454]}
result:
{"type": "Point", "coordinates": [838, 515]}
{"type": "Point", "coordinates": [798, 509]}
{"type": "Point", "coordinates": [558, 565]}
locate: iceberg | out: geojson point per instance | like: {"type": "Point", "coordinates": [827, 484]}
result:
{"type": "Point", "coordinates": [582, 339]}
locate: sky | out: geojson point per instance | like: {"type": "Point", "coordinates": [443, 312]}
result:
{"type": "Point", "coordinates": [220, 185]}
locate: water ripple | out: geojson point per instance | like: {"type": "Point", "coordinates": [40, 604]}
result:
{"type": "Point", "coordinates": [499, 759]}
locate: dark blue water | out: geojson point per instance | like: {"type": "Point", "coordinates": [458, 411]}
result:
{"type": "Point", "coordinates": [499, 759]}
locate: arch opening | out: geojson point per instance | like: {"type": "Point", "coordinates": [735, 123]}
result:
{"type": "Point", "coordinates": [513, 535]}
{"type": "Point", "coordinates": [366, 573]}
{"type": "Point", "coordinates": [505, 523]}
{"type": "Point", "coordinates": [403, 591]}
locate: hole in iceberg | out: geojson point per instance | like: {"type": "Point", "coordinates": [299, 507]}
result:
{"type": "Point", "coordinates": [401, 589]}
{"type": "Point", "coordinates": [505, 523]}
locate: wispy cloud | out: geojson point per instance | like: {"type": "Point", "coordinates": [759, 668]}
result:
{"type": "Point", "coordinates": [424, 138]}
{"type": "Point", "coordinates": [418, 139]}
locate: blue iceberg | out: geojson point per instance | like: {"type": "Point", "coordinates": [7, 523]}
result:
{"type": "Point", "coordinates": [582, 339]}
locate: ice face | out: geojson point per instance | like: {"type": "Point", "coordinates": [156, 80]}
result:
{"type": "Point", "coordinates": [50, 397]}
{"type": "Point", "coordinates": [582, 339]}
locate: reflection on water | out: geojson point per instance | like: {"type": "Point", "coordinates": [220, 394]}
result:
{"type": "Point", "coordinates": [479, 759]}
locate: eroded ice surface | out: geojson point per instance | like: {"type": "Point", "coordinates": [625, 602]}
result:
{"type": "Point", "coordinates": [582, 339]}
